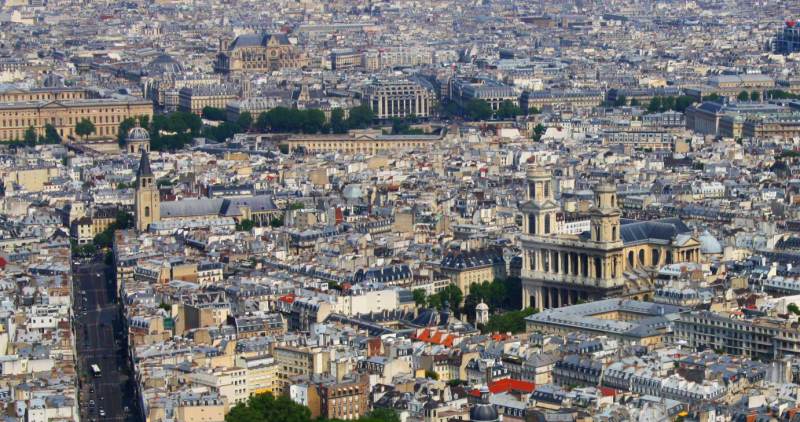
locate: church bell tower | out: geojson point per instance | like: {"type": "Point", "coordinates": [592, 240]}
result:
{"type": "Point", "coordinates": [148, 203]}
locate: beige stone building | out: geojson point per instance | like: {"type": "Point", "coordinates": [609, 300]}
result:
{"type": "Point", "coordinates": [259, 53]}
{"type": "Point", "coordinates": [366, 142]}
{"type": "Point", "coordinates": [194, 99]}
{"type": "Point", "coordinates": [561, 269]}
{"type": "Point", "coordinates": [31, 179]}
{"type": "Point", "coordinates": [200, 408]}
{"type": "Point", "coordinates": [63, 110]}
{"type": "Point", "coordinates": [469, 267]}
{"type": "Point", "coordinates": [389, 98]}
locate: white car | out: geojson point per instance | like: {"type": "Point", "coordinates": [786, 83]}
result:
{"type": "Point", "coordinates": [102, 413]}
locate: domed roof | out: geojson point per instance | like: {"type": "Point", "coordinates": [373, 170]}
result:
{"type": "Point", "coordinates": [163, 63]}
{"type": "Point", "coordinates": [138, 133]}
{"type": "Point", "coordinates": [483, 411]}
{"type": "Point", "coordinates": [482, 306]}
{"type": "Point", "coordinates": [709, 244]}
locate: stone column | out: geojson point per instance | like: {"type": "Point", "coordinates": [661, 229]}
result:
{"type": "Point", "coordinates": [539, 299]}
{"type": "Point", "coordinates": [526, 297]}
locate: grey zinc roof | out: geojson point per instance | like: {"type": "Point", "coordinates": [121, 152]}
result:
{"type": "Point", "coordinates": [229, 207]}
{"type": "Point", "coordinates": [664, 230]}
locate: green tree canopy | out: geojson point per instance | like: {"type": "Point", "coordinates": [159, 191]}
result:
{"type": "Point", "coordinates": [84, 128]}
{"type": "Point", "coordinates": [420, 296]}
{"type": "Point", "coordinates": [477, 110]}
{"type": "Point", "coordinates": [450, 294]}
{"type": "Point", "coordinates": [51, 134]}
{"type": "Point", "coordinates": [743, 96]}
{"type": "Point", "coordinates": [245, 120]}
{"type": "Point", "coordinates": [30, 136]}
{"type": "Point", "coordinates": [267, 408]}
{"type": "Point", "coordinates": [360, 117]}
{"type": "Point", "coordinates": [338, 124]}
{"type": "Point", "coordinates": [213, 113]}
{"type": "Point", "coordinates": [513, 321]}
{"type": "Point", "coordinates": [508, 110]}
{"type": "Point", "coordinates": [538, 131]}
{"type": "Point", "coordinates": [712, 97]}
{"type": "Point", "coordinates": [125, 126]}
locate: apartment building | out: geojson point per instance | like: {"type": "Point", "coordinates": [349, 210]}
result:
{"type": "Point", "coordinates": [194, 99]}
{"type": "Point", "coordinates": [763, 337]}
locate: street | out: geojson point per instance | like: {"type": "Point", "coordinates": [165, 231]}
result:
{"type": "Point", "coordinates": [101, 342]}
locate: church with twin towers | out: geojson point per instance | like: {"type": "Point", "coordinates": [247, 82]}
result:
{"type": "Point", "coordinates": [612, 259]}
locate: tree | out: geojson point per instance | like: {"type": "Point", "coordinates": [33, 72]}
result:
{"type": "Point", "coordinates": [30, 136]}
{"type": "Point", "coordinates": [513, 322]}
{"type": "Point", "coordinates": [538, 131]}
{"type": "Point", "coordinates": [755, 96]}
{"type": "Point", "coordinates": [419, 296]}
{"type": "Point", "coordinates": [621, 101]}
{"type": "Point", "coordinates": [338, 124]}
{"type": "Point", "coordinates": [51, 134]}
{"type": "Point", "coordinates": [712, 97]}
{"type": "Point", "coordinates": [451, 294]}
{"type": "Point", "coordinates": [431, 374]}
{"type": "Point", "coordinates": [267, 408]}
{"type": "Point", "coordinates": [125, 126]}
{"type": "Point", "coordinates": [655, 105]}
{"type": "Point", "coordinates": [245, 120]}
{"type": "Point", "coordinates": [743, 96]}
{"type": "Point", "coordinates": [508, 110]}
{"type": "Point", "coordinates": [213, 113]}
{"type": "Point", "coordinates": [245, 225]}
{"type": "Point", "coordinates": [634, 102]}
{"type": "Point", "coordinates": [477, 110]}
{"type": "Point", "coordinates": [313, 120]}
{"type": "Point", "coordinates": [380, 414]}
{"type": "Point", "coordinates": [793, 308]}
{"type": "Point", "coordinates": [360, 117]}
{"type": "Point", "coordinates": [84, 128]}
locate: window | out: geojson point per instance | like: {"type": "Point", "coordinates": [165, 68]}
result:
{"type": "Point", "coordinates": [546, 189]}
{"type": "Point", "coordinates": [614, 233]}
{"type": "Point", "coordinates": [641, 256]}
{"type": "Point", "coordinates": [147, 211]}
{"type": "Point", "coordinates": [630, 259]}
{"type": "Point", "coordinates": [547, 224]}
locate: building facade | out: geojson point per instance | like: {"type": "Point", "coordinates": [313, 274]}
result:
{"type": "Point", "coordinates": [259, 53]}
{"type": "Point", "coordinates": [561, 269]}
{"type": "Point", "coordinates": [105, 113]}
{"type": "Point", "coordinates": [390, 98]}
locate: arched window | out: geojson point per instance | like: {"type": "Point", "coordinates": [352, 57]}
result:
{"type": "Point", "coordinates": [546, 189]}
{"type": "Point", "coordinates": [547, 224]}
{"type": "Point", "coordinates": [669, 257]}
{"type": "Point", "coordinates": [641, 257]}
{"type": "Point", "coordinates": [613, 200]}
{"type": "Point", "coordinates": [531, 224]}
{"type": "Point", "coordinates": [630, 259]}
{"type": "Point", "coordinates": [656, 256]}
{"type": "Point", "coordinates": [147, 211]}
{"type": "Point", "coordinates": [613, 232]}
